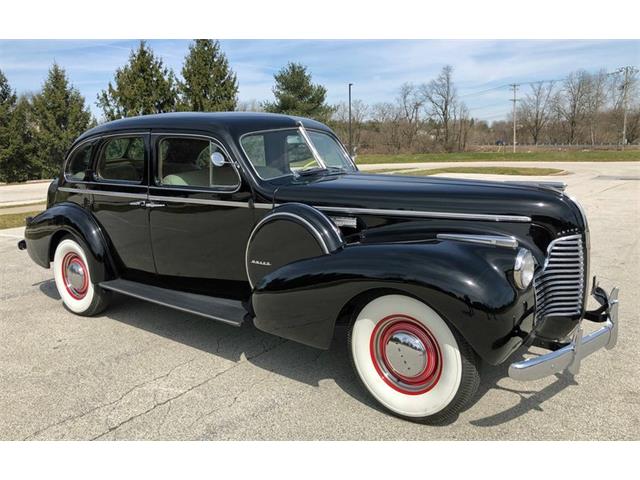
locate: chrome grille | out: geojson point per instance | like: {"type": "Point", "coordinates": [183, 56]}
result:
{"type": "Point", "coordinates": [560, 284]}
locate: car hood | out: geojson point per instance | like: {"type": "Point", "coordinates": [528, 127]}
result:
{"type": "Point", "coordinates": [543, 205]}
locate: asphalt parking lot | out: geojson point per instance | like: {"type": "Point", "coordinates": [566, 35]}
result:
{"type": "Point", "coordinates": [141, 371]}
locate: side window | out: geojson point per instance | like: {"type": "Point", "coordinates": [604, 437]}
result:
{"type": "Point", "coordinates": [188, 162]}
{"type": "Point", "coordinates": [122, 159]}
{"type": "Point", "coordinates": [79, 163]}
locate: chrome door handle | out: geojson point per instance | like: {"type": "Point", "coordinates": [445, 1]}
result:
{"type": "Point", "coordinates": [139, 203]}
{"type": "Point", "coordinates": [154, 205]}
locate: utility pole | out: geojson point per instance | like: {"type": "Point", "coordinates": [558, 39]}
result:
{"type": "Point", "coordinates": [350, 135]}
{"type": "Point", "coordinates": [628, 71]}
{"type": "Point", "coordinates": [514, 86]}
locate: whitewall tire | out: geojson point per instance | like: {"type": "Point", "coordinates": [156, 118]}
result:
{"type": "Point", "coordinates": [73, 279]}
{"type": "Point", "coordinates": [411, 361]}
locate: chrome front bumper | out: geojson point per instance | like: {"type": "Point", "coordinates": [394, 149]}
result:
{"type": "Point", "coordinates": [581, 346]}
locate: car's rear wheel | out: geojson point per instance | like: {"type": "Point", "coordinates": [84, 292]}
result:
{"type": "Point", "coordinates": [73, 279]}
{"type": "Point", "coordinates": [411, 361]}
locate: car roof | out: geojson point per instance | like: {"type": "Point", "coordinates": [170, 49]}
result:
{"type": "Point", "coordinates": [234, 123]}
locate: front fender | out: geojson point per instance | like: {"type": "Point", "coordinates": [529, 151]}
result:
{"type": "Point", "coordinates": [75, 220]}
{"type": "Point", "coordinates": [467, 284]}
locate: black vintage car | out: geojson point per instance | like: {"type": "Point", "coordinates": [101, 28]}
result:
{"type": "Point", "coordinates": [265, 219]}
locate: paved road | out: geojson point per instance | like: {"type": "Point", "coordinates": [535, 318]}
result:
{"type": "Point", "coordinates": [141, 371]}
{"type": "Point", "coordinates": [23, 193]}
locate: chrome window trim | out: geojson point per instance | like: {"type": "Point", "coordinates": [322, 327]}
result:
{"type": "Point", "coordinates": [102, 181]}
{"type": "Point", "coordinates": [314, 232]}
{"type": "Point", "coordinates": [67, 160]}
{"type": "Point", "coordinates": [232, 161]}
{"type": "Point", "coordinates": [294, 128]}
{"type": "Point", "coordinates": [493, 240]}
{"type": "Point", "coordinates": [91, 139]}
{"type": "Point", "coordinates": [312, 147]}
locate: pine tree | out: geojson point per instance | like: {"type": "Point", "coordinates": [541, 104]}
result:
{"type": "Point", "coordinates": [7, 106]}
{"type": "Point", "coordinates": [59, 116]}
{"type": "Point", "coordinates": [141, 87]}
{"type": "Point", "coordinates": [209, 84]}
{"type": "Point", "coordinates": [19, 162]}
{"type": "Point", "coordinates": [297, 95]}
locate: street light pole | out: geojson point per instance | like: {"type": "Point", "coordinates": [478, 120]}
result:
{"type": "Point", "coordinates": [350, 135]}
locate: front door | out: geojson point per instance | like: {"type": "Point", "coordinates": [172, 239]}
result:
{"type": "Point", "coordinates": [119, 190]}
{"type": "Point", "coordinates": [200, 215]}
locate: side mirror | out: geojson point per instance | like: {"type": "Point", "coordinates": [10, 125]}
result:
{"type": "Point", "coordinates": [217, 159]}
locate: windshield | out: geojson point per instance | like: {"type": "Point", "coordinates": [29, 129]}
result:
{"type": "Point", "coordinates": [287, 152]}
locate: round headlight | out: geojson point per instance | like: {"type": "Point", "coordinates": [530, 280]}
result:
{"type": "Point", "coordinates": [523, 268]}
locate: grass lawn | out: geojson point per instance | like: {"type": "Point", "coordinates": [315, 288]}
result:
{"type": "Point", "coordinates": [11, 220]}
{"type": "Point", "coordinates": [485, 170]}
{"type": "Point", "coordinates": [563, 156]}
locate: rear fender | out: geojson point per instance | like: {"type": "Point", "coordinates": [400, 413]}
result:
{"type": "Point", "coordinates": [469, 285]}
{"type": "Point", "coordinates": [69, 218]}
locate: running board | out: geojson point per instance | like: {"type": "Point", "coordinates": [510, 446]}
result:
{"type": "Point", "coordinates": [222, 309]}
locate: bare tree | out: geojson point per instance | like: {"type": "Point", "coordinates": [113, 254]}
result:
{"type": "Point", "coordinates": [359, 114]}
{"type": "Point", "coordinates": [534, 109]}
{"type": "Point", "coordinates": [410, 102]}
{"type": "Point", "coordinates": [571, 103]}
{"type": "Point", "coordinates": [440, 97]}
{"type": "Point", "coordinates": [249, 106]}
{"type": "Point", "coordinates": [464, 124]}
{"type": "Point", "coordinates": [595, 101]}
{"type": "Point", "coordinates": [387, 120]}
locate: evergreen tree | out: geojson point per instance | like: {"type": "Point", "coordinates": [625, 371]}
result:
{"type": "Point", "coordinates": [18, 162]}
{"type": "Point", "coordinates": [297, 95]}
{"type": "Point", "coordinates": [7, 106]}
{"type": "Point", "coordinates": [141, 87]}
{"type": "Point", "coordinates": [209, 84]}
{"type": "Point", "coordinates": [59, 116]}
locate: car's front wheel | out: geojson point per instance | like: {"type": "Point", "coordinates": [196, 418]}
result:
{"type": "Point", "coordinates": [411, 361]}
{"type": "Point", "coordinates": [73, 280]}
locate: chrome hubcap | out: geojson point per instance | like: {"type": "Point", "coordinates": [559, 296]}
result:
{"type": "Point", "coordinates": [406, 354]}
{"type": "Point", "coordinates": [75, 276]}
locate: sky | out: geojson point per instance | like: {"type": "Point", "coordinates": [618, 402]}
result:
{"type": "Point", "coordinates": [483, 69]}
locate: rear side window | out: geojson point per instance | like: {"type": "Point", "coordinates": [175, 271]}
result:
{"type": "Point", "coordinates": [122, 159]}
{"type": "Point", "coordinates": [79, 163]}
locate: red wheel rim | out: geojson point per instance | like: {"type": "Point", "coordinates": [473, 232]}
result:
{"type": "Point", "coordinates": [416, 376]}
{"type": "Point", "coordinates": [75, 275]}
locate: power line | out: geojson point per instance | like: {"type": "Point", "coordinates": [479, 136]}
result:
{"type": "Point", "coordinates": [482, 92]}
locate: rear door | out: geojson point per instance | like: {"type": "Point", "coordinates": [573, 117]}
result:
{"type": "Point", "coordinates": [120, 190]}
{"type": "Point", "coordinates": [200, 215]}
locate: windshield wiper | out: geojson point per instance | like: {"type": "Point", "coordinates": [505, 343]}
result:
{"type": "Point", "coordinates": [314, 170]}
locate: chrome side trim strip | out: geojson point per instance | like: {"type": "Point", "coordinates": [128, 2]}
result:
{"type": "Point", "coordinates": [199, 201]}
{"type": "Point", "coordinates": [494, 240]}
{"type": "Point", "coordinates": [347, 210]}
{"type": "Point", "coordinates": [265, 206]}
{"type": "Point", "coordinates": [559, 186]}
{"type": "Point", "coordinates": [425, 214]}
{"type": "Point", "coordinates": [103, 192]}
{"type": "Point", "coordinates": [107, 286]}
